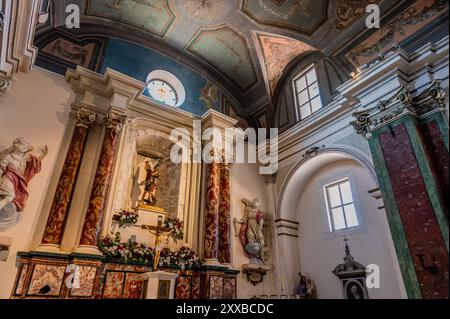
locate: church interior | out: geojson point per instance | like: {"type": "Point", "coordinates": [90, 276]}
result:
{"type": "Point", "coordinates": [224, 149]}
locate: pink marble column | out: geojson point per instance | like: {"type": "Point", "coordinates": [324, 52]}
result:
{"type": "Point", "coordinates": [94, 215]}
{"type": "Point", "coordinates": [225, 215]}
{"type": "Point", "coordinates": [212, 213]}
{"type": "Point", "coordinates": [54, 229]}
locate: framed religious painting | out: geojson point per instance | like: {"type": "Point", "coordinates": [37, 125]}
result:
{"type": "Point", "coordinates": [164, 289]}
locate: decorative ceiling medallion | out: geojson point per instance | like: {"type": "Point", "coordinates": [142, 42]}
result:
{"type": "Point", "coordinates": [154, 16]}
{"type": "Point", "coordinates": [299, 15]}
{"type": "Point", "coordinates": [204, 11]}
{"type": "Point", "coordinates": [227, 51]}
{"type": "Point", "coordinates": [278, 52]}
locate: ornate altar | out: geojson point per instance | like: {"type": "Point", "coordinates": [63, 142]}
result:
{"type": "Point", "coordinates": [46, 275]}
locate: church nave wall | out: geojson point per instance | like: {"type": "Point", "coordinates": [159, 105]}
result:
{"type": "Point", "coordinates": [321, 251]}
{"type": "Point", "coordinates": [36, 108]}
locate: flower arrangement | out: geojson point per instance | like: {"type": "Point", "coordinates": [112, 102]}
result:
{"type": "Point", "coordinates": [125, 217]}
{"type": "Point", "coordinates": [133, 252]}
{"type": "Point", "coordinates": [184, 258]}
{"type": "Point", "coordinates": [176, 228]}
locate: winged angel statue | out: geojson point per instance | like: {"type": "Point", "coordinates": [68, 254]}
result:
{"type": "Point", "coordinates": [252, 232]}
{"type": "Point", "coordinates": [17, 168]}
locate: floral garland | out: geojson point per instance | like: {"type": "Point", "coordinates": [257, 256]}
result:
{"type": "Point", "coordinates": [125, 217]}
{"type": "Point", "coordinates": [133, 252]}
{"type": "Point", "coordinates": [176, 228]}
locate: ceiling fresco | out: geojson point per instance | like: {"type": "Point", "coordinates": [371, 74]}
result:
{"type": "Point", "coordinates": [241, 47]}
{"type": "Point", "coordinates": [227, 50]}
{"type": "Point", "coordinates": [277, 52]}
{"type": "Point", "coordinates": [205, 12]}
{"type": "Point", "coordinates": [154, 16]}
{"type": "Point", "coordinates": [299, 15]}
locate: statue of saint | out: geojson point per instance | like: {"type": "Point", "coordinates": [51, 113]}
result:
{"type": "Point", "coordinates": [306, 288]}
{"type": "Point", "coordinates": [252, 230]}
{"type": "Point", "coordinates": [17, 168]}
{"type": "Point", "coordinates": [150, 184]}
{"type": "Point", "coordinates": [302, 286]}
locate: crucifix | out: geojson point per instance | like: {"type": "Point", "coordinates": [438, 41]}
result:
{"type": "Point", "coordinates": [158, 231]}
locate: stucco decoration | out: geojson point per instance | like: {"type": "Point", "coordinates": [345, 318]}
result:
{"type": "Point", "coordinates": [277, 53]}
{"type": "Point", "coordinates": [416, 17]}
{"type": "Point", "coordinates": [349, 11]}
{"type": "Point", "coordinates": [5, 83]}
{"type": "Point", "coordinates": [17, 167]}
{"type": "Point", "coordinates": [155, 16]}
{"type": "Point", "coordinates": [226, 50]}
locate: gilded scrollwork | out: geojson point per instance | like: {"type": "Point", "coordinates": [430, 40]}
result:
{"type": "Point", "coordinates": [5, 83]}
{"type": "Point", "coordinates": [85, 118]}
{"type": "Point", "coordinates": [115, 120]}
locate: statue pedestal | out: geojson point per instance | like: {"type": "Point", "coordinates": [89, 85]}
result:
{"type": "Point", "coordinates": [159, 285]}
{"type": "Point", "coordinates": [255, 273]}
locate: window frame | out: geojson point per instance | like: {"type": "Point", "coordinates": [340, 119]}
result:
{"type": "Point", "coordinates": [303, 73]}
{"type": "Point", "coordinates": [342, 205]}
{"type": "Point", "coordinates": [326, 217]}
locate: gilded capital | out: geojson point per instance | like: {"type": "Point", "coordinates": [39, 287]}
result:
{"type": "Point", "coordinates": [85, 118]}
{"type": "Point", "coordinates": [115, 120]}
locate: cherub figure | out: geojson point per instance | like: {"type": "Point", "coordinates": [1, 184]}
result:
{"type": "Point", "coordinates": [17, 168]}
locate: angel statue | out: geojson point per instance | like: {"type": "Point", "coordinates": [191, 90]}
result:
{"type": "Point", "coordinates": [17, 168]}
{"type": "Point", "coordinates": [251, 233]}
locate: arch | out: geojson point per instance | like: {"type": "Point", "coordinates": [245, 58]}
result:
{"type": "Point", "coordinates": [297, 177]}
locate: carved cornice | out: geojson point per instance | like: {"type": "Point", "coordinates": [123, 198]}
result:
{"type": "Point", "coordinates": [401, 104]}
{"type": "Point", "coordinates": [115, 120]}
{"type": "Point", "coordinates": [85, 118]}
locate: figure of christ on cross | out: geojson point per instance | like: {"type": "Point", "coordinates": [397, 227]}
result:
{"type": "Point", "coordinates": [158, 231]}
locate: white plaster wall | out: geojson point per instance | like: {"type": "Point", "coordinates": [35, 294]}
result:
{"type": "Point", "coordinates": [36, 108]}
{"type": "Point", "coordinates": [246, 182]}
{"type": "Point", "coordinates": [373, 245]}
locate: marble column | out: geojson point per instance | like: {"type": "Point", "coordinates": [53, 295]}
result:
{"type": "Point", "coordinates": [408, 140]}
{"type": "Point", "coordinates": [94, 215]}
{"type": "Point", "coordinates": [54, 229]}
{"type": "Point", "coordinates": [212, 214]}
{"type": "Point", "coordinates": [225, 215]}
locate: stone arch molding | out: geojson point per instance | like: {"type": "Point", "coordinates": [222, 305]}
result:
{"type": "Point", "coordinates": [301, 172]}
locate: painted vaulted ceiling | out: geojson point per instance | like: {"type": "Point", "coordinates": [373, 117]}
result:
{"type": "Point", "coordinates": [242, 46]}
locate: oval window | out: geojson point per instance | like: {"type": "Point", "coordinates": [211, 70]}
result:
{"type": "Point", "coordinates": [166, 88]}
